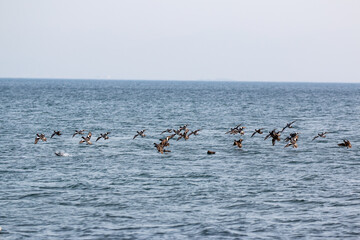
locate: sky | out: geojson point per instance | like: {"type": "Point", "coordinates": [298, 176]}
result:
{"type": "Point", "coordinates": [223, 40]}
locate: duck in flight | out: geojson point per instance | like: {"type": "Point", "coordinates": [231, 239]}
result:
{"type": "Point", "coordinates": [40, 136]}
{"type": "Point", "coordinates": [80, 132]}
{"type": "Point", "coordinates": [293, 137]}
{"type": "Point", "coordinates": [238, 143]}
{"type": "Point", "coordinates": [195, 132]}
{"type": "Point", "coordinates": [140, 133]}
{"type": "Point", "coordinates": [236, 130]}
{"type": "Point", "coordinates": [274, 135]}
{"type": "Point", "coordinates": [292, 140]}
{"type": "Point", "coordinates": [183, 127]}
{"type": "Point", "coordinates": [58, 133]}
{"type": "Point", "coordinates": [165, 141]}
{"type": "Point", "coordinates": [104, 136]}
{"type": "Point", "coordinates": [169, 130]}
{"type": "Point", "coordinates": [288, 125]}
{"type": "Point", "coordinates": [257, 131]}
{"type": "Point", "coordinates": [86, 139]}
{"type": "Point", "coordinates": [292, 143]}
{"type": "Point", "coordinates": [160, 148]}
{"type": "Point", "coordinates": [183, 135]}
{"type": "Point", "coordinates": [346, 144]}
{"type": "Point", "coordinates": [323, 135]}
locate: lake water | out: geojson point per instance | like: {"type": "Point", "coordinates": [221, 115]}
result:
{"type": "Point", "coordinates": [122, 188]}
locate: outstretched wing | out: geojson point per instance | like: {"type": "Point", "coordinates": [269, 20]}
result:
{"type": "Point", "coordinates": [315, 138]}
{"type": "Point", "coordinates": [267, 136]}
{"type": "Point", "coordinates": [287, 145]}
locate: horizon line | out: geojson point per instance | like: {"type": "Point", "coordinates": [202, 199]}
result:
{"type": "Point", "coordinates": [170, 80]}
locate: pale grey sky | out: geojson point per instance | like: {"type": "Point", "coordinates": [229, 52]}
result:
{"type": "Point", "coordinates": [254, 40]}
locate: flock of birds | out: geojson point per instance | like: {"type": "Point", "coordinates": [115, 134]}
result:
{"type": "Point", "coordinates": [183, 132]}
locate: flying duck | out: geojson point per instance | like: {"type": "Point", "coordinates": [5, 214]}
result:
{"type": "Point", "coordinates": [288, 125]}
{"type": "Point", "coordinates": [86, 139]}
{"type": "Point", "coordinates": [140, 133]}
{"type": "Point", "coordinates": [323, 135]}
{"type": "Point", "coordinates": [238, 143]}
{"type": "Point", "coordinates": [80, 132]}
{"type": "Point", "coordinates": [40, 136]}
{"type": "Point", "coordinates": [257, 131]}
{"type": "Point", "coordinates": [55, 133]}
{"type": "Point", "coordinates": [346, 144]}
{"type": "Point", "coordinates": [104, 136]}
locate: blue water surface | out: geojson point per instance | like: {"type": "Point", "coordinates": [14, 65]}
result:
{"type": "Point", "coordinates": [122, 188]}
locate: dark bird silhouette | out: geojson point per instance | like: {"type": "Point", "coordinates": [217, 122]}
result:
{"type": "Point", "coordinates": [274, 135]}
{"type": "Point", "coordinates": [195, 132]}
{"type": "Point", "coordinates": [323, 135]}
{"type": "Point", "coordinates": [169, 130]}
{"type": "Point", "coordinates": [140, 133]}
{"type": "Point", "coordinates": [86, 139]}
{"type": "Point", "coordinates": [210, 152]}
{"type": "Point", "coordinates": [257, 131]}
{"type": "Point", "coordinates": [80, 132]}
{"type": "Point", "coordinates": [238, 143]}
{"type": "Point", "coordinates": [233, 131]}
{"type": "Point", "coordinates": [55, 133]}
{"type": "Point", "coordinates": [346, 144]}
{"type": "Point", "coordinates": [288, 125]}
{"type": "Point", "coordinates": [104, 136]}
{"type": "Point", "coordinates": [236, 130]}
{"type": "Point", "coordinates": [40, 136]}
